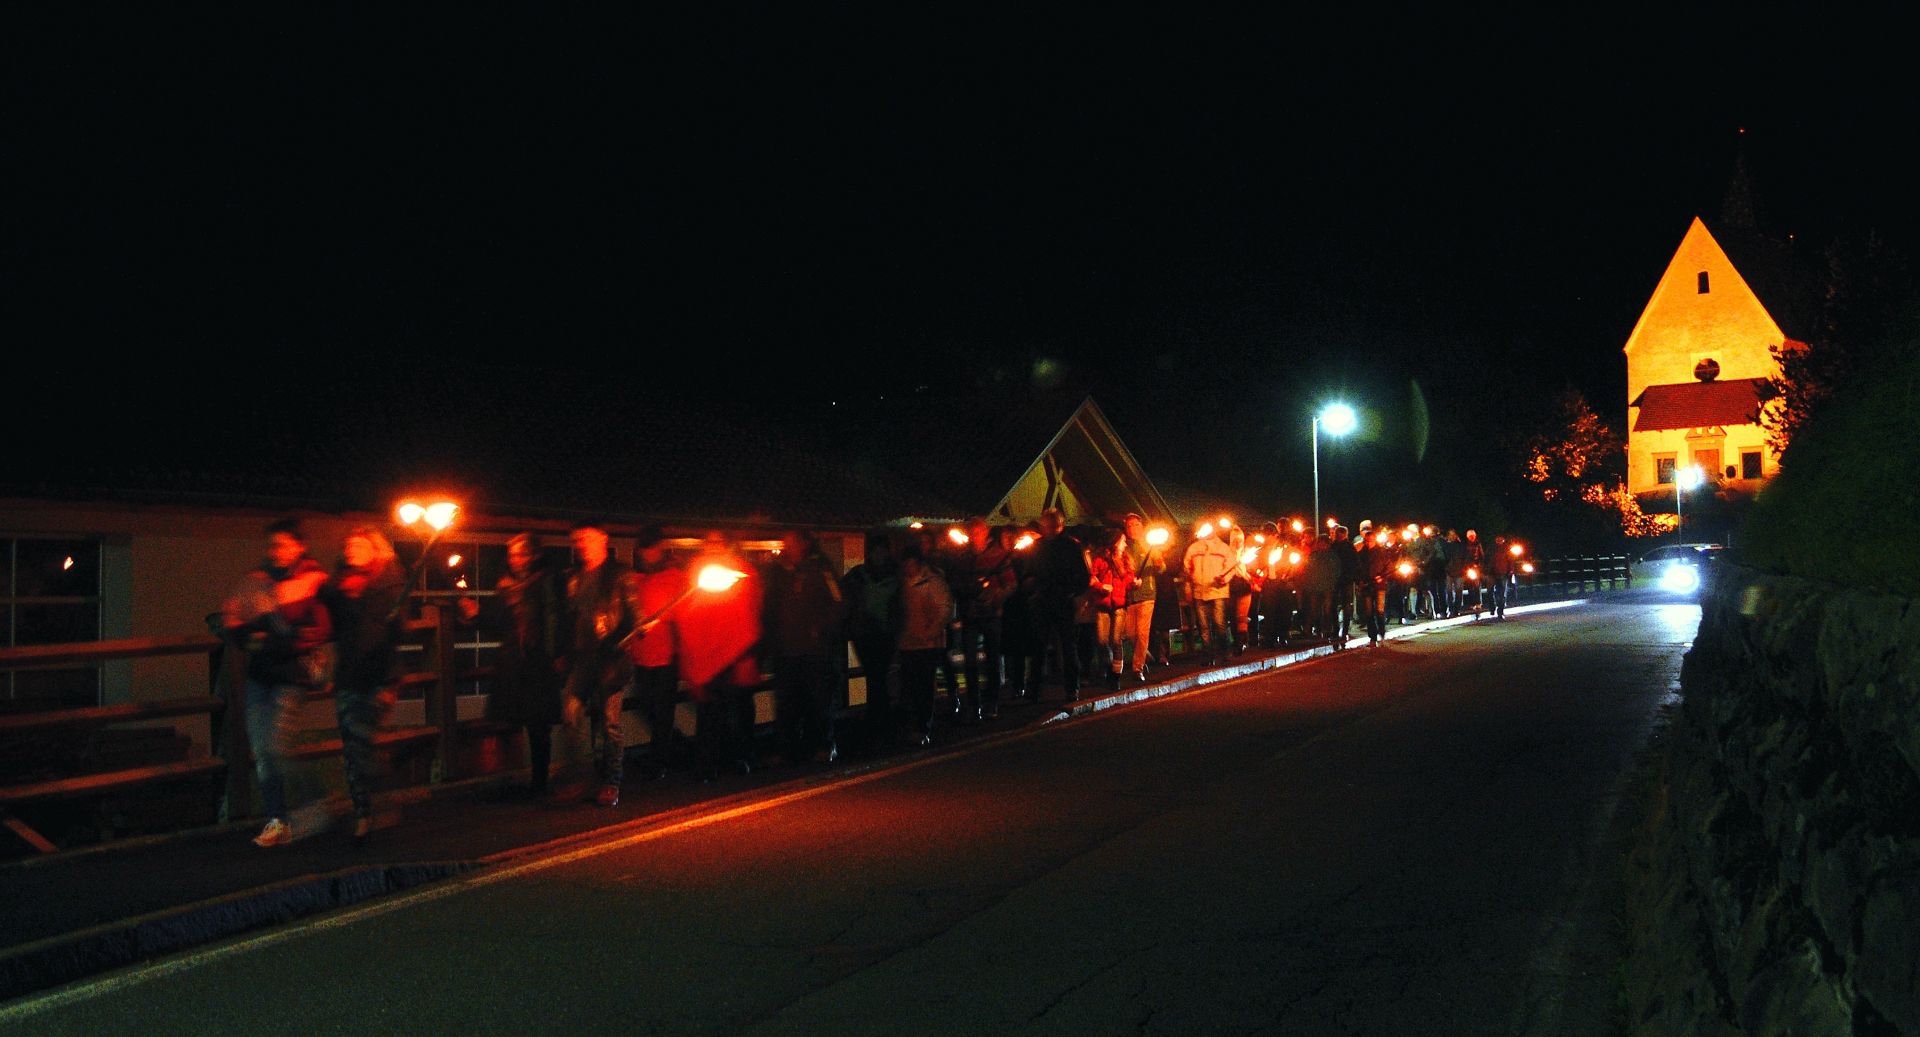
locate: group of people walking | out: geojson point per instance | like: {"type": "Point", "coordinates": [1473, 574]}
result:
{"type": "Point", "coordinates": [998, 612]}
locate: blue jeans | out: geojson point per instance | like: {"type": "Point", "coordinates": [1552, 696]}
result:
{"type": "Point", "coordinates": [271, 710]}
{"type": "Point", "coordinates": [358, 711]}
{"type": "Point", "coordinates": [1210, 622]}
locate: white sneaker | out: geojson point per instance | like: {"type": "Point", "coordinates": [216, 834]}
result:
{"type": "Point", "coordinates": [275, 834]}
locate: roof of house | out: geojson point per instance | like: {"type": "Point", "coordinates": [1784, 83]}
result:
{"type": "Point", "coordinates": [1698, 404]}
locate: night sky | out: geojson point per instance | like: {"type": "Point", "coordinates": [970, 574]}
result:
{"type": "Point", "coordinates": [1209, 223]}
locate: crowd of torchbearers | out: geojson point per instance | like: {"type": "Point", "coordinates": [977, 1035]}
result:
{"type": "Point", "coordinates": [995, 612]}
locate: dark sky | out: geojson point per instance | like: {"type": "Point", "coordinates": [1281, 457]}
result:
{"type": "Point", "coordinates": [1210, 223]}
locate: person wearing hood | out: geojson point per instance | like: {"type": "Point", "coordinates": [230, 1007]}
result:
{"type": "Point", "coordinates": [277, 616]}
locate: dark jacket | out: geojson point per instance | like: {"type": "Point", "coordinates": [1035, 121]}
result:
{"type": "Point", "coordinates": [364, 608]}
{"type": "Point", "coordinates": [529, 618]}
{"type": "Point", "coordinates": [284, 638]}
{"type": "Point", "coordinates": [1059, 573]}
{"type": "Point", "coordinates": [603, 608]}
{"type": "Point", "coordinates": [804, 610]}
{"type": "Point", "coordinates": [981, 581]}
{"type": "Point", "coordinates": [873, 603]}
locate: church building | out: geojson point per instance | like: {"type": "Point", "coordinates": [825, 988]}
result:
{"type": "Point", "coordinates": [1699, 358]}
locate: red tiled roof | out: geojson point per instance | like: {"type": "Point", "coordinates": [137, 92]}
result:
{"type": "Point", "coordinates": [1698, 404]}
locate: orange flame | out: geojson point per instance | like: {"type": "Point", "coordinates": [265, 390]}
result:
{"type": "Point", "coordinates": [715, 578]}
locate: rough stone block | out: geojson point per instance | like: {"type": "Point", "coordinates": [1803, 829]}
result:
{"type": "Point", "coordinates": [1887, 970]}
{"type": "Point", "coordinates": [1795, 996]}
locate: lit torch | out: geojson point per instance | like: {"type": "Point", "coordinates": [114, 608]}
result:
{"type": "Point", "coordinates": [1299, 526]}
{"type": "Point", "coordinates": [1024, 542]}
{"type": "Point", "coordinates": [1157, 537]}
{"type": "Point", "coordinates": [1205, 530]}
{"type": "Point", "coordinates": [1516, 550]}
{"type": "Point", "coordinates": [958, 536]}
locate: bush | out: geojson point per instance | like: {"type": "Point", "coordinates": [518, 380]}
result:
{"type": "Point", "coordinates": [1845, 507]}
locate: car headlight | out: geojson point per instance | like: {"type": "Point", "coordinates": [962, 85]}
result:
{"type": "Point", "coordinates": [1680, 578]}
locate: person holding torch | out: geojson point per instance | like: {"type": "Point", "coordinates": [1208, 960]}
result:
{"type": "Point", "coordinates": [1147, 553]}
{"type": "Point", "coordinates": [601, 598]}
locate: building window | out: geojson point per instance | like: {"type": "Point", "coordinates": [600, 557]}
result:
{"type": "Point", "coordinates": [1663, 469]}
{"type": "Point", "coordinates": [49, 594]}
{"type": "Point", "coordinates": [1703, 282]}
{"type": "Point", "coordinates": [1749, 464]}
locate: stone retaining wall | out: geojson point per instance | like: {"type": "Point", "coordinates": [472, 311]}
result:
{"type": "Point", "coordinates": [1775, 888]}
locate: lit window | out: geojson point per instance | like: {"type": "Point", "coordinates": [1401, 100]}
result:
{"type": "Point", "coordinates": [49, 594]}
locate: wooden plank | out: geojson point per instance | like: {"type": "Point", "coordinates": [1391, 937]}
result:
{"type": "Point", "coordinates": [103, 651]}
{"type": "Point", "coordinates": [28, 835]}
{"type": "Point", "coordinates": [443, 701]}
{"type": "Point", "coordinates": [382, 739]}
{"type": "Point", "coordinates": [98, 716]}
{"type": "Point", "coordinates": [90, 784]}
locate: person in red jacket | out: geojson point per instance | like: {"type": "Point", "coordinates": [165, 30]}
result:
{"type": "Point", "coordinates": [715, 634]}
{"type": "Point", "coordinates": [1111, 580]}
{"type": "Point", "coordinates": [277, 616]}
{"type": "Point", "coordinates": [656, 683]}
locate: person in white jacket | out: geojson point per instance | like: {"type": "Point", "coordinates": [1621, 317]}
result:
{"type": "Point", "coordinates": [1209, 567]}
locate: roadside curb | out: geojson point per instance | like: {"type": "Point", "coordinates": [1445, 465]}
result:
{"type": "Point", "coordinates": [1248, 669]}
{"type": "Point", "coordinates": [72, 956]}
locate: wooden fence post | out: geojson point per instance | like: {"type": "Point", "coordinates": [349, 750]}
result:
{"type": "Point", "coordinates": [231, 742]}
{"type": "Point", "coordinates": [443, 701]}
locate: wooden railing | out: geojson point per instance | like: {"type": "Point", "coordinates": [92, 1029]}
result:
{"type": "Point", "coordinates": [45, 750]}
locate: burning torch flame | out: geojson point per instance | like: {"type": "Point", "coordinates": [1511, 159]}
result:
{"type": "Point", "coordinates": [1516, 550]}
{"type": "Point", "coordinates": [1293, 558]}
{"type": "Point", "coordinates": [1473, 572]}
{"type": "Point", "coordinates": [1025, 541]}
{"type": "Point", "coordinates": [1259, 538]}
{"type": "Point", "coordinates": [68, 564]}
{"type": "Point", "coordinates": [717, 577]}
{"type": "Point", "coordinates": [1332, 522]}
{"type": "Point", "coordinates": [1273, 556]}
{"type": "Point", "coordinates": [1157, 537]}
{"type": "Point", "coordinates": [1413, 531]}
{"type": "Point", "coordinates": [440, 515]}
{"type": "Point", "coordinates": [1526, 567]}
{"type": "Point", "coordinates": [453, 561]}
{"type": "Point", "coordinates": [958, 536]}
{"type": "Point", "coordinates": [916, 525]}
{"type": "Point", "coordinates": [410, 513]}
{"type": "Point", "coordinates": [1248, 556]}
{"type": "Point", "coordinates": [1225, 522]}
{"type": "Point", "coordinates": [1404, 568]}
{"type": "Point", "coordinates": [1383, 538]}
{"type": "Point", "coordinates": [1299, 526]}
{"type": "Point", "coordinates": [1205, 530]}
{"type": "Point", "coordinates": [461, 583]}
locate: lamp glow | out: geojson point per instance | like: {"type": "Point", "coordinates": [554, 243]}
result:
{"type": "Point", "coordinates": [1338, 419]}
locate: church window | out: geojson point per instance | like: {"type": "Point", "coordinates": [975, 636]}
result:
{"type": "Point", "coordinates": [1703, 282]}
{"type": "Point", "coordinates": [1749, 464]}
{"type": "Point", "coordinates": [1663, 469]}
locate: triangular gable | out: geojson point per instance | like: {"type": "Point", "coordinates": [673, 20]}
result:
{"type": "Point", "coordinates": [1087, 471]}
{"type": "Point", "coordinates": [1745, 317]}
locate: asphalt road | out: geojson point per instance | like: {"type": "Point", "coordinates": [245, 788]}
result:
{"type": "Point", "coordinates": [1388, 841]}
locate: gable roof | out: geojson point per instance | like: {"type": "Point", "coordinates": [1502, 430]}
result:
{"type": "Point", "coordinates": [1698, 404]}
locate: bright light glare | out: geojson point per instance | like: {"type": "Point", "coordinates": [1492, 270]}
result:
{"type": "Point", "coordinates": [440, 514]}
{"type": "Point", "coordinates": [1299, 526]}
{"type": "Point", "coordinates": [453, 561]}
{"type": "Point", "coordinates": [1516, 550]}
{"type": "Point", "coordinates": [409, 513]}
{"type": "Point", "coordinates": [1680, 579]}
{"type": "Point", "coordinates": [1691, 477]}
{"type": "Point", "coordinates": [1293, 558]}
{"type": "Point", "coordinates": [957, 535]}
{"type": "Point", "coordinates": [716, 577]}
{"type": "Point", "coordinates": [1248, 556]}
{"type": "Point", "coordinates": [1205, 530]}
{"type": "Point", "coordinates": [1157, 536]}
{"type": "Point", "coordinates": [1338, 419]}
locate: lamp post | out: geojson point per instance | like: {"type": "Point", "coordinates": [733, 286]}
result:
{"type": "Point", "coordinates": [1687, 478]}
{"type": "Point", "coordinates": [437, 517]}
{"type": "Point", "coordinates": [1339, 420]}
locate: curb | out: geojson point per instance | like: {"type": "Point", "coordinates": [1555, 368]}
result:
{"type": "Point", "coordinates": [1248, 669]}
{"type": "Point", "coordinates": [72, 956]}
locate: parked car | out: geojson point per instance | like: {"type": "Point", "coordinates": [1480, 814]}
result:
{"type": "Point", "coordinates": [1674, 567]}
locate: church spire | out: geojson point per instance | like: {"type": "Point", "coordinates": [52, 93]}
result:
{"type": "Point", "coordinates": [1740, 206]}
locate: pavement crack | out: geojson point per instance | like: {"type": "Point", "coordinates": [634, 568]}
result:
{"type": "Point", "coordinates": [1074, 988]}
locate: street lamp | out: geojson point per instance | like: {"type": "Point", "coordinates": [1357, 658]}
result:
{"type": "Point", "coordinates": [1688, 478]}
{"type": "Point", "coordinates": [1339, 420]}
{"type": "Point", "coordinates": [436, 517]}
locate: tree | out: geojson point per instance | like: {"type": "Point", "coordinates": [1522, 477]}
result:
{"type": "Point", "coordinates": [1867, 312]}
{"type": "Point", "coordinates": [1574, 464]}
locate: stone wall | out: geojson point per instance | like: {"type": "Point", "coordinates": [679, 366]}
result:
{"type": "Point", "coordinates": [1775, 888]}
